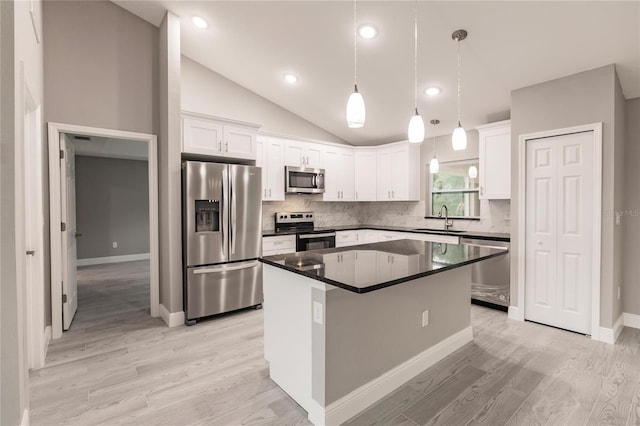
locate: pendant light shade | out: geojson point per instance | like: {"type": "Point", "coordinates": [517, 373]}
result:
{"type": "Point", "coordinates": [434, 165]}
{"type": "Point", "coordinates": [416, 128]}
{"type": "Point", "coordinates": [416, 125]}
{"type": "Point", "coordinates": [473, 172]}
{"type": "Point", "coordinates": [356, 111]}
{"type": "Point", "coordinates": [459, 136]}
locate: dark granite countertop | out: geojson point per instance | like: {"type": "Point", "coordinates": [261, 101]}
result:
{"type": "Point", "coordinates": [369, 267]}
{"type": "Point", "coordinates": [490, 236]}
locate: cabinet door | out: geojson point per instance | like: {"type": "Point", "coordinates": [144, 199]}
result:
{"type": "Point", "coordinates": [495, 163]}
{"type": "Point", "coordinates": [201, 136]}
{"type": "Point", "coordinates": [383, 267]}
{"type": "Point", "coordinates": [365, 176]}
{"type": "Point", "coordinates": [239, 142]}
{"type": "Point", "coordinates": [294, 153]}
{"type": "Point", "coordinates": [261, 148]}
{"type": "Point", "coordinates": [364, 273]}
{"type": "Point", "coordinates": [384, 160]}
{"type": "Point", "coordinates": [400, 173]}
{"type": "Point", "coordinates": [347, 175]}
{"type": "Point", "coordinates": [313, 155]}
{"type": "Point", "coordinates": [274, 157]}
{"type": "Point", "coordinates": [331, 162]}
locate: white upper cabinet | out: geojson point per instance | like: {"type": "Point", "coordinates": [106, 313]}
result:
{"type": "Point", "coordinates": [270, 156]}
{"type": "Point", "coordinates": [365, 175]}
{"type": "Point", "coordinates": [338, 164]}
{"type": "Point", "coordinates": [398, 172]}
{"type": "Point", "coordinates": [303, 154]}
{"type": "Point", "coordinates": [495, 160]}
{"type": "Point", "coordinates": [204, 135]}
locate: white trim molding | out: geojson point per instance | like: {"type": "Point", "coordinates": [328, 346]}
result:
{"type": "Point", "coordinates": [610, 335]}
{"type": "Point", "coordinates": [596, 128]}
{"type": "Point", "coordinates": [515, 313]}
{"type": "Point", "coordinates": [359, 399]}
{"type": "Point", "coordinates": [631, 320]}
{"type": "Point", "coordinates": [172, 319]}
{"type": "Point", "coordinates": [24, 421]}
{"type": "Point", "coordinates": [54, 132]}
{"type": "Point", "coordinates": [113, 259]}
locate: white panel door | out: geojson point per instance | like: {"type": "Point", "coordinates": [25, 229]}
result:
{"type": "Point", "coordinates": [559, 230]}
{"type": "Point", "coordinates": [68, 216]}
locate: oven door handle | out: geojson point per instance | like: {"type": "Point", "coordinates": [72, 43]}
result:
{"type": "Point", "coordinates": [309, 236]}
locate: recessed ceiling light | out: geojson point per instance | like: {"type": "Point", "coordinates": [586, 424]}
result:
{"type": "Point", "coordinates": [290, 78]}
{"type": "Point", "coordinates": [432, 91]}
{"type": "Point", "coordinates": [367, 31]}
{"type": "Point", "coordinates": [199, 22]}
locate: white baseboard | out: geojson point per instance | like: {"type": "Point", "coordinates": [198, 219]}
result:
{"type": "Point", "coordinates": [515, 313]}
{"type": "Point", "coordinates": [172, 319]}
{"type": "Point", "coordinates": [631, 320]}
{"type": "Point", "coordinates": [610, 335]}
{"type": "Point", "coordinates": [359, 399]}
{"type": "Point", "coordinates": [113, 259]}
{"type": "Point", "coordinates": [46, 340]}
{"type": "Point", "coordinates": [24, 421]}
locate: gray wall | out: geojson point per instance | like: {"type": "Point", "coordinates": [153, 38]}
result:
{"type": "Point", "coordinates": [631, 218]}
{"type": "Point", "coordinates": [583, 98]}
{"type": "Point", "coordinates": [112, 204]}
{"type": "Point", "coordinates": [101, 70]}
{"type": "Point", "coordinates": [169, 142]}
{"type": "Point", "coordinates": [101, 66]}
{"type": "Point", "coordinates": [208, 92]}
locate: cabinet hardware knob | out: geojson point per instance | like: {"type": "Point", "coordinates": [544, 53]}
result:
{"type": "Point", "coordinates": [226, 146]}
{"type": "Point", "coordinates": [269, 192]}
{"type": "Point", "coordinates": [220, 146]}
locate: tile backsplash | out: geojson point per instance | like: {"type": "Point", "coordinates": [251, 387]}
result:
{"type": "Point", "coordinates": [494, 214]}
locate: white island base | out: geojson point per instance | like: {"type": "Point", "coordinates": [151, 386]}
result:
{"type": "Point", "coordinates": [336, 352]}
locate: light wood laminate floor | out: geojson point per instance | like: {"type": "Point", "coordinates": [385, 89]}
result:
{"type": "Point", "coordinates": [117, 365]}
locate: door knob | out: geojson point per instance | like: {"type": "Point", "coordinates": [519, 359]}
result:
{"type": "Point", "coordinates": [31, 252]}
{"type": "Point", "coordinates": [78, 234]}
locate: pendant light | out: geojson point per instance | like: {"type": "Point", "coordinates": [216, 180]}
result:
{"type": "Point", "coordinates": [355, 105]}
{"type": "Point", "coordinates": [473, 172]}
{"type": "Point", "coordinates": [459, 137]}
{"type": "Point", "coordinates": [434, 165]}
{"type": "Point", "coordinates": [416, 125]}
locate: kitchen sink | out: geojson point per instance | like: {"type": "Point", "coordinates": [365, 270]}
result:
{"type": "Point", "coordinates": [449, 231]}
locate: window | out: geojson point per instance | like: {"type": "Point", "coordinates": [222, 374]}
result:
{"type": "Point", "coordinates": [456, 186]}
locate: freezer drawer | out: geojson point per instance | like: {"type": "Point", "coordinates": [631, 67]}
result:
{"type": "Point", "coordinates": [215, 289]}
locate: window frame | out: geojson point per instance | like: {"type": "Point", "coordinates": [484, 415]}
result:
{"type": "Point", "coordinates": [429, 203]}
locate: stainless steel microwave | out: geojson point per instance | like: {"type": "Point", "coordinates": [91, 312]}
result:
{"type": "Point", "coordinates": [304, 180]}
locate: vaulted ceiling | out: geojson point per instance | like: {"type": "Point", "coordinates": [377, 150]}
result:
{"type": "Point", "coordinates": [511, 44]}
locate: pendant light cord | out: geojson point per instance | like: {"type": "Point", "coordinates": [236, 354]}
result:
{"type": "Point", "coordinates": [458, 40]}
{"type": "Point", "coordinates": [415, 57]}
{"type": "Point", "coordinates": [355, 46]}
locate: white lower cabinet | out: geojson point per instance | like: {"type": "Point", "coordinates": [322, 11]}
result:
{"type": "Point", "coordinates": [279, 244]}
{"type": "Point", "coordinates": [339, 266]}
{"type": "Point", "coordinates": [346, 238]}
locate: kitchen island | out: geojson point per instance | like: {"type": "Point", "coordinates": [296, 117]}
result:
{"type": "Point", "coordinates": [346, 326]}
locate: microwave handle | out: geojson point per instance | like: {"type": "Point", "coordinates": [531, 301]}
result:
{"type": "Point", "coordinates": [314, 181]}
{"type": "Point", "coordinates": [319, 180]}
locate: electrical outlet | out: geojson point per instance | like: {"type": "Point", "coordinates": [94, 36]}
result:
{"type": "Point", "coordinates": [318, 313]}
{"type": "Point", "coordinates": [115, 244]}
{"type": "Point", "coordinates": [425, 318]}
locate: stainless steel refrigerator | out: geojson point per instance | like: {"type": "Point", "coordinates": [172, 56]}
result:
{"type": "Point", "coordinates": [222, 238]}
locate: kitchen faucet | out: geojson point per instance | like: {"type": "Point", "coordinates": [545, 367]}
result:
{"type": "Point", "coordinates": [447, 223]}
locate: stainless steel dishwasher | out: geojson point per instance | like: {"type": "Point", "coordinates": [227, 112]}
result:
{"type": "Point", "coordinates": [490, 278]}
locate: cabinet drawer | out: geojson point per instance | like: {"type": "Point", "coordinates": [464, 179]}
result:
{"type": "Point", "coordinates": [281, 244]}
{"type": "Point", "coordinates": [346, 238]}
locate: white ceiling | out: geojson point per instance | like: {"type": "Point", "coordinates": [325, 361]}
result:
{"type": "Point", "coordinates": [511, 44]}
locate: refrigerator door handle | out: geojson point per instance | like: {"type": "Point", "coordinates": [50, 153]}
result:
{"type": "Point", "coordinates": [232, 234]}
{"type": "Point", "coordinates": [228, 267]}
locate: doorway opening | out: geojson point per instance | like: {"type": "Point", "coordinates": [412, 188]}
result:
{"type": "Point", "coordinates": [104, 253]}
